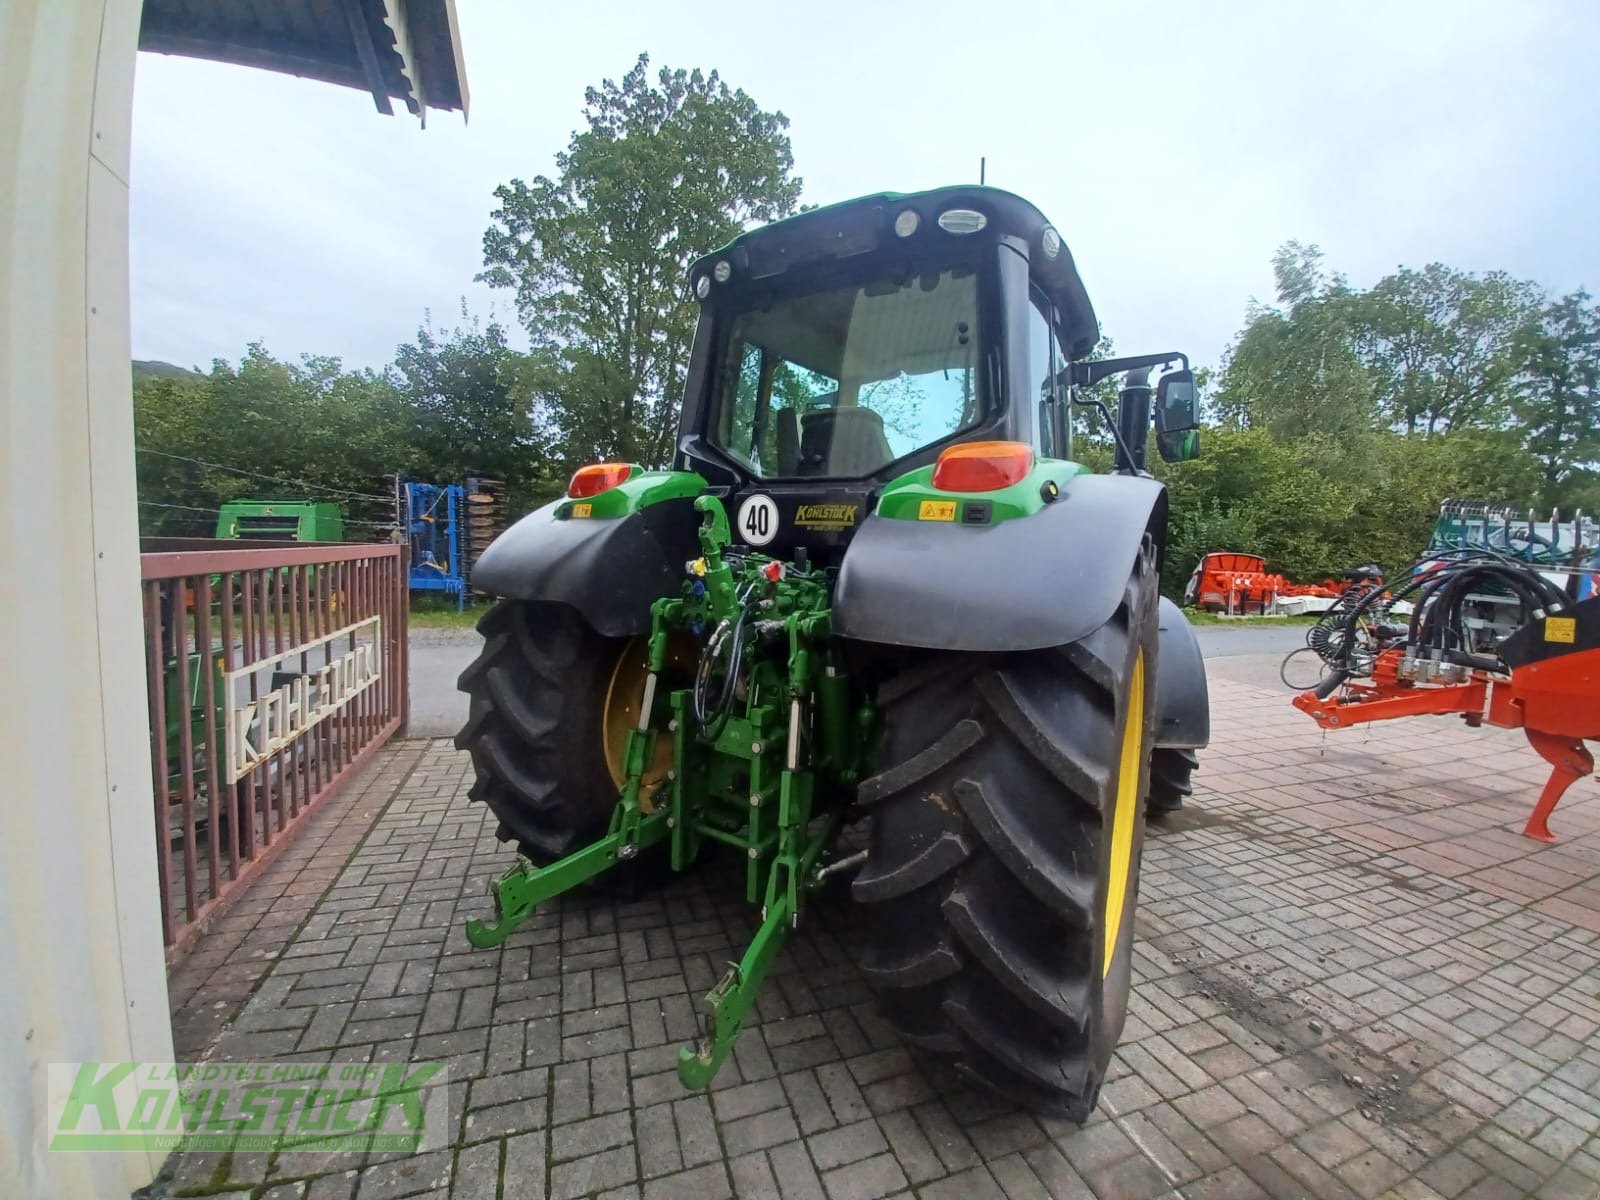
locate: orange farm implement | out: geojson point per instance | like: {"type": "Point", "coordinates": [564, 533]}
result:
{"type": "Point", "coordinates": [1491, 640]}
{"type": "Point", "coordinates": [1240, 585]}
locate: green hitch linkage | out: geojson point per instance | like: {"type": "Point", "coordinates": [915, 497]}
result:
{"type": "Point", "coordinates": [524, 887]}
{"type": "Point", "coordinates": [518, 891]}
{"type": "Point", "coordinates": [728, 1004]}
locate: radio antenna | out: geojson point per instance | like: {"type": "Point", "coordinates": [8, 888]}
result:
{"type": "Point", "coordinates": [982, 164]}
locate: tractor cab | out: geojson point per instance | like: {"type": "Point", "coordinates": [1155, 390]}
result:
{"type": "Point", "coordinates": [842, 348]}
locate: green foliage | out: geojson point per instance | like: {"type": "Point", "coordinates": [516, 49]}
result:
{"type": "Point", "coordinates": [662, 173]}
{"type": "Point", "coordinates": [1348, 416]}
{"type": "Point", "coordinates": [455, 404]}
{"type": "Point", "coordinates": [1558, 398]}
{"type": "Point", "coordinates": [1296, 369]}
{"type": "Point", "coordinates": [1443, 346]}
{"type": "Point", "coordinates": [1314, 506]}
{"type": "Point", "coordinates": [271, 430]}
{"type": "Point", "coordinates": [471, 404]}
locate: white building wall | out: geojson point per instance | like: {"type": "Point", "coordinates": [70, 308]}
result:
{"type": "Point", "coordinates": [82, 976]}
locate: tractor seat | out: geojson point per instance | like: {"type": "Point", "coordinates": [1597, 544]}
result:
{"type": "Point", "coordinates": [843, 441]}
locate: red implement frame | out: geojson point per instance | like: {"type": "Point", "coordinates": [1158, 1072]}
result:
{"type": "Point", "coordinates": [1555, 702]}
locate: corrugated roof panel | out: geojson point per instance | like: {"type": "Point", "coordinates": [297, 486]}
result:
{"type": "Point", "coordinates": [392, 50]}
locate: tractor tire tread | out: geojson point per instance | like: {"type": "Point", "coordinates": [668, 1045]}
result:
{"type": "Point", "coordinates": [1170, 780]}
{"type": "Point", "coordinates": [986, 869]}
{"type": "Point", "coordinates": [535, 692]}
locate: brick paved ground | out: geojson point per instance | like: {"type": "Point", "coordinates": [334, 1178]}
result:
{"type": "Point", "coordinates": [1353, 979]}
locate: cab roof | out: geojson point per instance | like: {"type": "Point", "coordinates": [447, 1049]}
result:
{"type": "Point", "coordinates": [867, 223]}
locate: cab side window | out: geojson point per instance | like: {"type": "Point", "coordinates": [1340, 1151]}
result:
{"type": "Point", "coordinates": [1042, 367]}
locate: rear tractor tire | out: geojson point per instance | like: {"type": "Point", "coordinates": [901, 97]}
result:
{"type": "Point", "coordinates": [551, 702]}
{"type": "Point", "coordinates": [1007, 830]}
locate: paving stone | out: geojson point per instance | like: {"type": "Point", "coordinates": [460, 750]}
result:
{"type": "Point", "coordinates": [752, 1176]}
{"type": "Point", "coordinates": [975, 1183]}
{"type": "Point", "coordinates": [656, 1135]}
{"type": "Point", "coordinates": [1017, 1180]}
{"type": "Point", "coordinates": [502, 1089]}
{"type": "Point", "coordinates": [709, 1182]}
{"type": "Point", "coordinates": [519, 1116]}
{"type": "Point", "coordinates": [869, 1179]}
{"type": "Point", "coordinates": [477, 1175]}
{"type": "Point", "coordinates": [590, 1136]}
{"type": "Point", "coordinates": [523, 1171]}
{"type": "Point", "coordinates": [759, 1131]}
{"type": "Point", "coordinates": [847, 1144]}
{"type": "Point", "coordinates": [733, 1103]}
{"type": "Point", "coordinates": [1407, 920]}
{"type": "Point", "coordinates": [408, 1176]}
{"type": "Point", "coordinates": [1005, 1134]}
{"type": "Point", "coordinates": [697, 1131]}
{"type": "Point", "coordinates": [944, 1134]}
{"type": "Point", "coordinates": [593, 1173]}
{"type": "Point", "coordinates": [808, 1101]}
{"type": "Point", "coordinates": [797, 1178]}
{"type": "Point", "coordinates": [333, 1187]}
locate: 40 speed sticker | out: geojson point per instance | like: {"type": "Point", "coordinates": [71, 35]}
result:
{"type": "Point", "coordinates": [757, 522]}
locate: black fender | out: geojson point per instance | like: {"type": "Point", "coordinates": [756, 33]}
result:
{"type": "Point", "coordinates": [1023, 584]}
{"type": "Point", "coordinates": [609, 569]}
{"type": "Point", "coordinates": [1183, 700]}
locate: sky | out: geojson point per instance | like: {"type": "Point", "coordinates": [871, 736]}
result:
{"type": "Point", "coordinates": [1174, 144]}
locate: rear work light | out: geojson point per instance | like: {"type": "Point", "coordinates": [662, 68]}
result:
{"type": "Point", "coordinates": [597, 478]}
{"type": "Point", "coordinates": [982, 466]}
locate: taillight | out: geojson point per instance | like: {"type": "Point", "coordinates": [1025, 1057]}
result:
{"type": "Point", "coordinates": [597, 478]}
{"type": "Point", "coordinates": [982, 466]}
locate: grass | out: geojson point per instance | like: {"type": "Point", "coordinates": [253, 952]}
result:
{"type": "Point", "coordinates": [1196, 617]}
{"type": "Point", "coordinates": [433, 613]}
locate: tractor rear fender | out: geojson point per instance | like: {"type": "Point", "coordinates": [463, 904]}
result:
{"type": "Point", "coordinates": [1183, 701]}
{"type": "Point", "coordinates": [1020, 584]}
{"type": "Point", "coordinates": [609, 570]}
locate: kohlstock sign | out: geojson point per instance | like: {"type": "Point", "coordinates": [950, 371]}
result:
{"type": "Point", "coordinates": [305, 1106]}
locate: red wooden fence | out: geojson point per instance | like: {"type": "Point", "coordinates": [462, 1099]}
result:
{"type": "Point", "coordinates": [273, 673]}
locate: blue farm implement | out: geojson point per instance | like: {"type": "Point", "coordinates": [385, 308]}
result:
{"type": "Point", "coordinates": [447, 527]}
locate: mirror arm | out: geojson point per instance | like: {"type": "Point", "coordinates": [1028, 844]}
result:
{"type": "Point", "coordinates": [1091, 371]}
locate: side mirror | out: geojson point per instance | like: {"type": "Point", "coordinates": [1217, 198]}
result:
{"type": "Point", "coordinates": [1177, 417]}
{"type": "Point", "coordinates": [1177, 403]}
{"type": "Point", "coordinates": [1178, 445]}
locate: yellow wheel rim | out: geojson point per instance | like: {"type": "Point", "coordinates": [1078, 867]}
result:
{"type": "Point", "coordinates": [1125, 813]}
{"type": "Point", "coordinates": [624, 694]}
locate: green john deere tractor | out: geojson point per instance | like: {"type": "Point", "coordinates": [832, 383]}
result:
{"type": "Point", "coordinates": [873, 588]}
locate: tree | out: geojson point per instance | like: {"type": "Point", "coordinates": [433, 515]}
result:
{"type": "Point", "coordinates": [596, 256]}
{"type": "Point", "coordinates": [1295, 368]}
{"type": "Point", "coordinates": [1443, 345]}
{"type": "Point", "coordinates": [469, 397]}
{"type": "Point", "coordinates": [267, 429]}
{"type": "Point", "coordinates": [1558, 395]}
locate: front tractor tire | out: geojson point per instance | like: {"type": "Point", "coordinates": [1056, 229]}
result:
{"type": "Point", "coordinates": [550, 703]}
{"type": "Point", "coordinates": [1170, 780]}
{"type": "Point", "coordinates": [1007, 831]}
